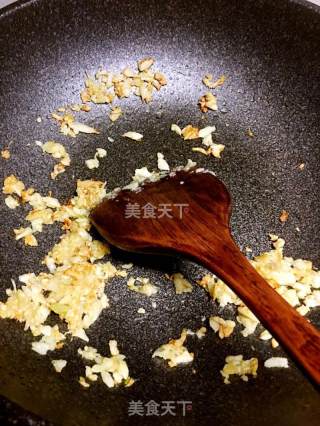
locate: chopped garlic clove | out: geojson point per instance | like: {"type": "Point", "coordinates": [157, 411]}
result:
{"type": "Point", "coordinates": [276, 362]}
{"type": "Point", "coordinates": [208, 101]}
{"type": "Point", "coordinates": [224, 328]}
{"type": "Point", "coordinates": [189, 132]}
{"type": "Point", "coordinates": [133, 135]}
{"type": "Point", "coordinates": [236, 365]}
{"type": "Point", "coordinates": [59, 364]}
{"type": "Point", "coordinates": [206, 131]}
{"type": "Point", "coordinates": [11, 202]}
{"type": "Point", "coordinates": [83, 128]}
{"type": "Point", "coordinates": [145, 64]}
{"type": "Point", "coordinates": [162, 164]}
{"type": "Point", "coordinates": [175, 128]}
{"type": "Point", "coordinates": [181, 284]}
{"type": "Point", "coordinates": [174, 351]}
{"type": "Point", "coordinates": [115, 113]}
{"type": "Point", "coordinates": [101, 153]}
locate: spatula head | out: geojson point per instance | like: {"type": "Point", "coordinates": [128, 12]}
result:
{"type": "Point", "coordinates": [170, 215]}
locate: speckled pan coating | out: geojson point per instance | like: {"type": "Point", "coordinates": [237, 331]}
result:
{"type": "Point", "coordinates": [270, 52]}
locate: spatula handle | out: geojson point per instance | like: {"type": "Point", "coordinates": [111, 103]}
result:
{"type": "Point", "coordinates": [296, 335]}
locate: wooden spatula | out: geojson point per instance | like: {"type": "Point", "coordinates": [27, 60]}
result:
{"type": "Point", "coordinates": [188, 213]}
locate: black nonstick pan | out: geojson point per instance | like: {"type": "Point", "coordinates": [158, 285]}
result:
{"type": "Point", "coordinates": [270, 52]}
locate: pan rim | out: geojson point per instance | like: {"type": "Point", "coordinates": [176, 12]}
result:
{"type": "Point", "coordinates": [20, 4]}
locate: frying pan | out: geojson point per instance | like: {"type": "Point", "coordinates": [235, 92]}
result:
{"type": "Point", "coordinates": [270, 52]}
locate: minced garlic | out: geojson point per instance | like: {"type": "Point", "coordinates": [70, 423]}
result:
{"type": "Point", "coordinates": [59, 364]}
{"type": "Point", "coordinates": [189, 132]}
{"type": "Point", "coordinates": [11, 202]}
{"type": "Point", "coordinates": [94, 162]}
{"type": "Point", "coordinates": [294, 280]}
{"type": "Point", "coordinates": [162, 163]}
{"type": "Point", "coordinates": [248, 320]}
{"type": "Point", "coordinates": [113, 370]}
{"type": "Point", "coordinates": [208, 101]}
{"type": "Point", "coordinates": [59, 152]}
{"type": "Point", "coordinates": [5, 154]}
{"type": "Point", "coordinates": [218, 290]}
{"type": "Point", "coordinates": [181, 284]}
{"type": "Point", "coordinates": [283, 216]}
{"type": "Point", "coordinates": [145, 64]}
{"type": "Point", "coordinates": [276, 362]}
{"type": "Point", "coordinates": [115, 113]}
{"type": "Point", "coordinates": [207, 81]}
{"type": "Point", "coordinates": [144, 286]}
{"type": "Point", "coordinates": [174, 351]}
{"type": "Point", "coordinates": [70, 127]}
{"type": "Point", "coordinates": [74, 288]}
{"type": "Point", "coordinates": [106, 85]}
{"type": "Point", "coordinates": [13, 185]}
{"type": "Point", "coordinates": [176, 129]}
{"type": "Point", "coordinates": [224, 328]}
{"type": "Point", "coordinates": [133, 135]}
{"type": "Point", "coordinates": [236, 365]}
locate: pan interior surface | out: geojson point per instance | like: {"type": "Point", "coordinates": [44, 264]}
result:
{"type": "Point", "coordinates": [269, 51]}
